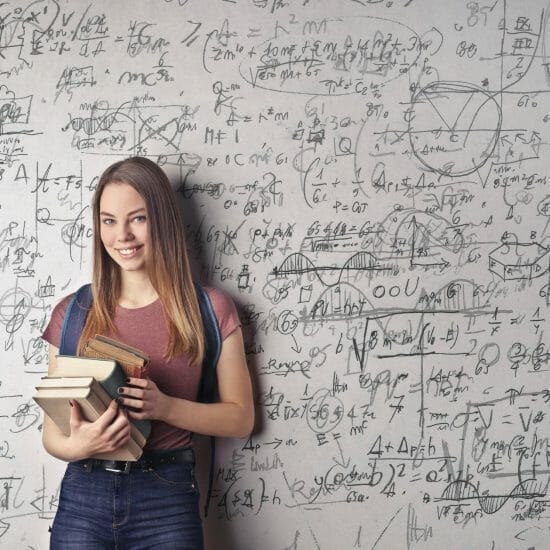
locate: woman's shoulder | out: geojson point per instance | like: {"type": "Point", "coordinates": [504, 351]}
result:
{"type": "Point", "coordinates": [224, 308]}
{"type": "Point", "coordinates": [52, 334]}
{"type": "Point", "coordinates": [218, 297]}
{"type": "Point", "coordinates": [61, 306]}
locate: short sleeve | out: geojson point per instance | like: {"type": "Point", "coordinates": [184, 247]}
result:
{"type": "Point", "coordinates": [52, 334]}
{"type": "Point", "coordinates": [225, 310]}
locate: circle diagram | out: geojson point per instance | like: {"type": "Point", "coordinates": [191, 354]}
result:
{"type": "Point", "coordinates": [453, 127]}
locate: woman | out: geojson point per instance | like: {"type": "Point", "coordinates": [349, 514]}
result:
{"type": "Point", "coordinates": [143, 295]}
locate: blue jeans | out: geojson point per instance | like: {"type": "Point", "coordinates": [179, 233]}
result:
{"type": "Point", "coordinates": [135, 511]}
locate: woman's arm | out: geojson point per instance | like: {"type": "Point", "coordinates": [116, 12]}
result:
{"type": "Point", "coordinates": [232, 416]}
{"type": "Point", "coordinates": [107, 433]}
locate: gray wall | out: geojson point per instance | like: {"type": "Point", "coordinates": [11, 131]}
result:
{"type": "Point", "coordinates": [367, 180]}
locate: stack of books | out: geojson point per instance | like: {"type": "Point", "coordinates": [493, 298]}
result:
{"type": "Point", "coordinates": [92, 381]}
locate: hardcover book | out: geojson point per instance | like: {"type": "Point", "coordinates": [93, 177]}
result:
{"type": "Point", "coordinates": [133, 361]}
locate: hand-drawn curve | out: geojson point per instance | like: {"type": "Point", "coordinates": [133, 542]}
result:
{"type": "Point", "coordinates": [461, 490]}
{"type": "Point", "coordinates": [298, 263]}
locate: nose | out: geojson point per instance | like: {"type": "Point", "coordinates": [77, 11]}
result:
{"type": "Point", "coordinates": [125, 233]}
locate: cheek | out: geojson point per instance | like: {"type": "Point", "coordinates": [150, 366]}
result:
{"type": "Point", "coordinates": [105, 236]}
{"type": "Point", "coordinates": [144, 235]}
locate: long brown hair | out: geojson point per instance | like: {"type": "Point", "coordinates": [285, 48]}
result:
{"type": "Point", "coordinates": [167, 261]}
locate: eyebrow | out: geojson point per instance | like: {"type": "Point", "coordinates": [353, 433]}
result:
{"type": "Point", "coordinates": [103, 213]}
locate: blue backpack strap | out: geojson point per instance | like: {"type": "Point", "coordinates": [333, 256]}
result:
{"type": "Point", "coordinates": [213, 346]}
{"type": "Point", "coordinates": [74, 320]}
{"type": "Point", "coordinates": [209, 379]}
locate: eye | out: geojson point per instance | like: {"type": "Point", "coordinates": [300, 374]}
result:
{"type": "Point", "coordinates": [140, 219]}
{"type": "Point", "coordinates": [107, 221]}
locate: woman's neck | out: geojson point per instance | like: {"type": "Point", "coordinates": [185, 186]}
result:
{"type": "Point", "coordinates": [136, 291]}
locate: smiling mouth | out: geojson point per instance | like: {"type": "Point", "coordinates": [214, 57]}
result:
{"type": "Point", "coordinates": [128, 252]}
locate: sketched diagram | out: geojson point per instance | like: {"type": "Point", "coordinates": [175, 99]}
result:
{"type": "Point", "coordinates": [404, 325]}
{"type": "Point", "coordinates": [423, 239]}
{"type": "Point", "coordinates": [457, 295]}
{"type": "Point", "coordinates": [498, 474]}
{"type": "Point", "coordinates": [453, 127]}
{"type": "Point", "coordinates": [513, 261]}
{"type": "Point", "coordinates": [14, 111]}
{"type": "Point", "coordinates": [339, 303]}
{"type": "Point", "coordinates": [411, 237]}
{"type": "Point", "coordinates": [141, 129]}
{"type": "Point", "coordinates": [299, 264]}
{"type": "Point", "coordinates": [15, 116]}
{"type": "Point", "coordinates": [461, 491]}
{"type": "Point", "coordinates": [417, 238]}
{"type": "Point", "coordinates": [400, 325]}
{"type": "Point", "coordinates": [345, 301]}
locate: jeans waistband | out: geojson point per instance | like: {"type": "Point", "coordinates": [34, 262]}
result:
{"type": "Point", "coordinates": [150, 460]}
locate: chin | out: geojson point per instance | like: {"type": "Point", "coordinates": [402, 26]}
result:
{"type": "Point", "coordinates": [132, 268]}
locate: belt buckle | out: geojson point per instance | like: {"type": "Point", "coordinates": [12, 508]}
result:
{"type": "Point", "coordinates": [124, 467]}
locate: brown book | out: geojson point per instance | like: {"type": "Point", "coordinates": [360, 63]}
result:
{"type": "Point", "coordinates": [133, 361]}
{"type": "Point", "coordinates": [55, 403]}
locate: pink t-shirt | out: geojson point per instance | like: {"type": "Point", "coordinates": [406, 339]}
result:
{"type": "Point", "coordinates": [145, 328]}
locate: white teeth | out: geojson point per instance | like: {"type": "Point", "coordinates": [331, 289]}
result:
{"type": "Point", "coordinates": [126, 251]}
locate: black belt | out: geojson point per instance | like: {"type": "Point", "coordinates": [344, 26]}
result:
{"type": "Point", "coordinates": [148, 461]}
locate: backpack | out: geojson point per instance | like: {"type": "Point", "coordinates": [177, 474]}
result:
{"type": "Point", "coordinates": [73, 324]}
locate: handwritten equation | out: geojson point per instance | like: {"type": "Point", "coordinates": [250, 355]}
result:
{"type": "Point", "coordinates": [368, 180]}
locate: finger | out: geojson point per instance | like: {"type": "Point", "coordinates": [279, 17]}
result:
{"type": "Point", "coordinates": [118, 428]}
{"type": "Point", "coordinates": [115, 440]}
{"type": "Point", "coordinates": [109, 414]}
{"type": "Point", "coordinates": [121, 424]}
{"type": "Point", "coordinates": [127, 391]}
{"type": "Point", "coordinates": [137, 382]}
{"type": "Point", "coordinates": [137, 415]}
{"type": "Point", "coordinates": [132, 403]}
{"type": "Point", "coordinates": [121, 418]}
{"type": "Point", "coordinates": [121, 439]}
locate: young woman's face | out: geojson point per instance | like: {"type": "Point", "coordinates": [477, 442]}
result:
{"type": "Point", "coordinates": [124, 227]}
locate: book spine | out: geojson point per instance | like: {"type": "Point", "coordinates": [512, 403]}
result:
{"type": "Point", "coordinates": [134, 371]}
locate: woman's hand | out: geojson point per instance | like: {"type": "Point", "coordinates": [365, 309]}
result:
{"type": "Point", "coordinates": [109, 432]}
{"type": "Point", "coordinates": [231, 416]}
{"type": "Point", "coordinates": [143, 399]}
